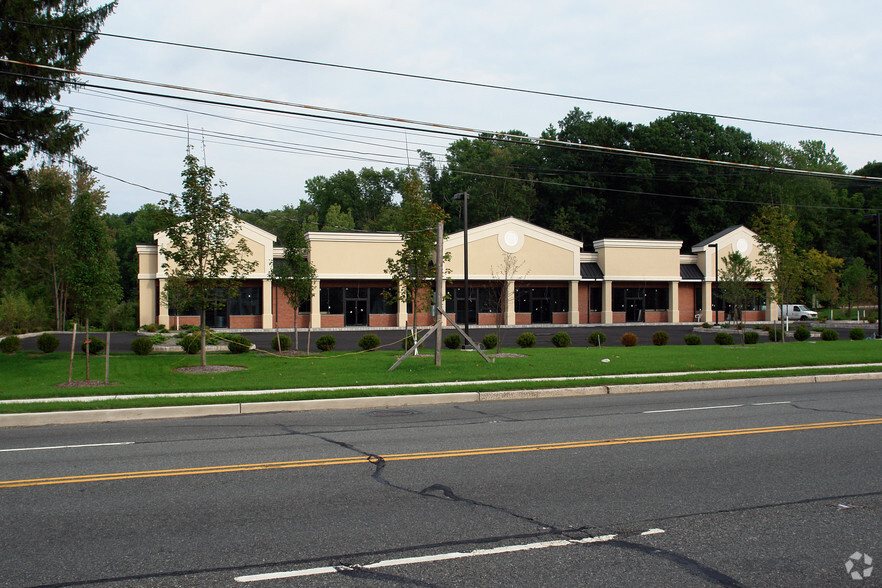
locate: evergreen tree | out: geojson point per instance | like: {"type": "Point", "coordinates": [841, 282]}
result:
{"type": "Point", "coordinates": [54, 33]}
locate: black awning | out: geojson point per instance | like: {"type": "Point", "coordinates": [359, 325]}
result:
{"type": "Point", "coordinates": [690, 272]}
{"type": "Point", "coordinates": [591, 271]}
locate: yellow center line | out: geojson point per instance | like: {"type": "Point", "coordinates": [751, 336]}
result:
{"type": "Point", "coordinates": [429, 455]}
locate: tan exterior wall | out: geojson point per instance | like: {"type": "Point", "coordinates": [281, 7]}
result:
{"type": "Point", "coordinates": [258, 254]}
{"type": "Point", "coordinates": [351, 258]}
{"type": "Point", "coordinates": [536, 259]}
{"type": "Point", "coordinates": [645, 260]}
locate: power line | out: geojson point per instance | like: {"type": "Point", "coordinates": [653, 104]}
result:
{"type": "Point", "coordinates": [452, 81]}
{"type": "Point", "coordinates": [400, 123]}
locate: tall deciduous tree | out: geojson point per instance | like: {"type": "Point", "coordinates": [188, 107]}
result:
{"type": "Point", "coordinates": [202, 252]}
{"type": "Point", "coordinates": [294, 273]}
{"type": "Point", "coordinates": [90, 268]}
{"type": "Point", "coordinates": [822, 276]}
{"type": "Point", "coordinates": [779, 257]}
{"type": "Point", "coordinates": [412, 267]}
{"type": "Point", "coordinates": [54, 33]}
{"type": "Point", "coordinates": [857, 284]}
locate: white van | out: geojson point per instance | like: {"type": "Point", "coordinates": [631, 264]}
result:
{"type": "Point", "coordinates": [798, 312]}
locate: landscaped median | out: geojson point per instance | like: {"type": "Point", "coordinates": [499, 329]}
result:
{"type": "Point", "coordinates": [30, 382]}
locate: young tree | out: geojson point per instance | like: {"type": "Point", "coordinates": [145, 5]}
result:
{"type": "Point", "coordinates": [735, 278]}
{"type": "Point", "coordinates": [505, 273]}
{"type": "Point", "coordinates": [413, 266]}
{"type": "Point", "coordinates": [91, 269]}
{"type": "Point", "coordinates": [294, 273]}
{"type": "Point", "coordinates": [779, 257]}
{"type": "Point", "coordinates": [201, 227]}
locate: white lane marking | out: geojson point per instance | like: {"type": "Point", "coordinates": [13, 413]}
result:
{"type": "Point", "coordinates": [693, 408]}
{"type": "Point", "coordinates": [67, 446]}
{"type": "Point", "coordinates": [432, 558]}
{"type": "Point", "coordinates": [771, 403]}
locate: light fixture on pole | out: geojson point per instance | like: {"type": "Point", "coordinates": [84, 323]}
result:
{"type": "Point", "coordinates": [464, 196]}
{"type": "Point", "coordinates": [716, 280]}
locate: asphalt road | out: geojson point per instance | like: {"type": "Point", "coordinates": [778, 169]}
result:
{"type": "Point", "coordinates": [741, 487]}
{"type": "Point", "coordinates": [347, 340]}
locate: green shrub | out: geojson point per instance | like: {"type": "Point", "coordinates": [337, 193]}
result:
{"type": "Point", "coordinates": [705, 325]}
{"type": "Point", "coordinates": [751, 337]}
{"type": "Point", "coordinates": [597, 338]}
{"type": "Point", "coordinates": [660, 338]}
{"type": "Point", "coordinates": [142, 345]}
{"type": "Point", "coordinates": [802, 333]}
{"type": "Point", "coordinates": [724, 339]}
{"type": "Point", "coordinates": [47, 342]}
{"type": "Point", "coordinates": [629, 339]}
{"type": "Point", "coordinates": [765, 328]}
{"type": "Point", "coordinates": [158, 338]}
{"type": "Point", "coordinates": [692, 339]}
{"type": "Point", "coordinates": [829, 335]}
{"type": "Point", "coordinates": [191, 343]}
{"type": "Point", "coordinates": [857, 334]}
{"type": "Point", "coordinates": [776, 334]}
{"type": "Point", "coordinates": [237, 343]}
{"type": "Point", "coordinates": [281, 342]}
{"type": "Point", "coordinates": [326, 343]}
{"type": "Point", "coordinates": [453, 341]}
{"type": "Point", "coordinates": [490, 341]}
{"type": "Point", "coordinates": [369, 341]}
{"type": "Point", "coordinates": [526, 340]}
{"type": "Point", "coordinates": [10, 344]}
{"type": "Point", "coordinates": [96, 345]}
{"type": "Point", "coordinates": [561, 339]}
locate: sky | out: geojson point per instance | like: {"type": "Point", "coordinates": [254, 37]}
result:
{"type": "Point", "coordinates": [810, 63]}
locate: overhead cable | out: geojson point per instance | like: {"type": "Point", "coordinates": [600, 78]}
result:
{"type": "Point", "coordinates": [395, 122]}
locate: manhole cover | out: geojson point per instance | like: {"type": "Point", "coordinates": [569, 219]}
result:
{"type": "Point", "coordinates": [392, 412]}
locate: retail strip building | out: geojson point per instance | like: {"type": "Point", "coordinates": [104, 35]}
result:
{"type": "Point", "coordinates": [519, 274]}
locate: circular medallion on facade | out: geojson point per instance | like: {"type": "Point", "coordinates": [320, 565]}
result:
{"type": "Point", "coordinates": [742, 246]}
{"type": "Point", "coordinates": [510, 241]}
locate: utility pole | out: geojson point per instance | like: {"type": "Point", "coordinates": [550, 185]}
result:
{"type": "Point", "coordinates": [439, 283]}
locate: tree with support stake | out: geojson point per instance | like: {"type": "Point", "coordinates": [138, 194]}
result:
{"type": "Point", "coordinates": [201, 228]}
{"type": "Point", "coordinates": [440, 315]}
{"type": "Point", "coordinates": [413, 265]}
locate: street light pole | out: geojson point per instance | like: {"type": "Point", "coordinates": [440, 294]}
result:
{"type": "Point", "coordinates": [464, 196]}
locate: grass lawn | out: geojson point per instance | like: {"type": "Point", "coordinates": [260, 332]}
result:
{"type": "Point", "coordinates": [27, 375]}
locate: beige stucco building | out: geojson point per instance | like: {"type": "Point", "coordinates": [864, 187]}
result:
{"type": "Point", "coordinates": [519, 274]}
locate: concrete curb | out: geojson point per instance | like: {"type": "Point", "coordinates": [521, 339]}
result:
{"type": "Point", "coordinates": [384, 402]}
